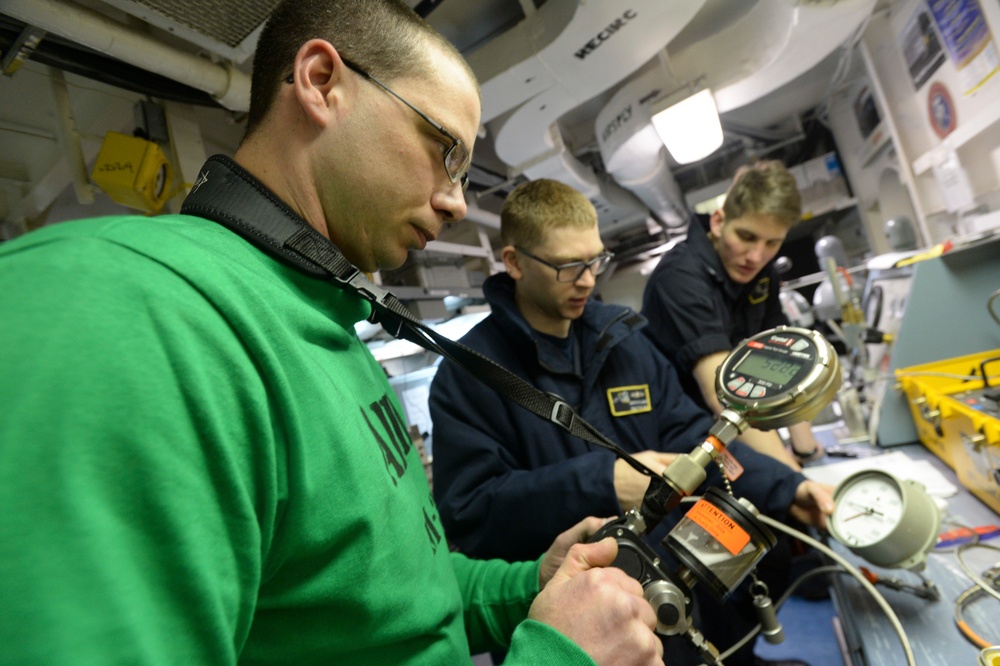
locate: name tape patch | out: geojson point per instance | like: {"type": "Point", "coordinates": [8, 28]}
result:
{"type": "Point", "coordinates": [628, 400]}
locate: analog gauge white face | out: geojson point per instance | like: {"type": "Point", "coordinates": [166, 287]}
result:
{"type": "Point", "coordinates": [867, 511]}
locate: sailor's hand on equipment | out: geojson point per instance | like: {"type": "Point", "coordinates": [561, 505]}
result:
{"type": "Point", "coordinates": [630, 484]}
{"type": "Point", "coordinates": [600, 608]}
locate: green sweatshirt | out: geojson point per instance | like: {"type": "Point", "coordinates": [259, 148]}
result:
{"type": "Point", "coordinates": [201, 463]}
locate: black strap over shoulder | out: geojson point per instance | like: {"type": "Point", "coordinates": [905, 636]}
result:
{"type": "Point", "coordinates": [226, 193]}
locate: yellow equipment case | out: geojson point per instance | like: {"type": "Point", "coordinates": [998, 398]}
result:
{"type": "Point", "coordinates": [956, 412]}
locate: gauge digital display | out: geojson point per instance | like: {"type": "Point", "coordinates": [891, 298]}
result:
{"type": "Point", "coordinates": [769, 368]}
{"type": "Point", "coordinates": [779, 377]}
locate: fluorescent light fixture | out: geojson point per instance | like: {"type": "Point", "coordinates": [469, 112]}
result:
{"type": "Point", "coordinates": [689, 128]}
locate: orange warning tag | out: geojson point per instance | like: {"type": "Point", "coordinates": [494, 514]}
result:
{"type": "Point", "coordinates": [734, 469]}
{"type": "Point", "coordinates": [720, 526]}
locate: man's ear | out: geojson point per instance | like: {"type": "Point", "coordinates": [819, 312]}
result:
{"type": "Point", "coordinates": [319, 80]}
{"type": "Point", "coordinates": [511, 262]}
{"type": "Point", "coordinates": [715, 223]}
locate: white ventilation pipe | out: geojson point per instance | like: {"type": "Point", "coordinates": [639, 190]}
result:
{"type": "Point", "coordinates": [570, 51]}
{"type": "Point", "coordinates": [595, 46]}
{"type": "Point", "coordinates": [632, 151]}
{"type": "Point", "coordinates": [69, 138]}
{"type": "Point", "coordinates": [555, 60]}
{"type": "Point", "coordinates": [768, 46]}
{"type": "Point", "coordinates": [817, 30]}
{"type": "Point", "coordinates": [484, 218]}
{"type": "Point", "coordinates": [227, 85]}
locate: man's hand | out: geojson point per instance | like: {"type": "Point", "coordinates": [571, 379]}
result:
{"type": "Point", "coordinates": [600, 607]}
{"type": "Point", "coordinates": [630, 484]}
{"type": "Point", "coordinates": [813, 503]}
{"type": "Point", "coordinates": [556, 553]}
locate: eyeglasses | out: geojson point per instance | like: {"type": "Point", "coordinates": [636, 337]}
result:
{"type": "Point", "coordinates": [574, 270]}
{"type": "Point", "coordinates": [457, 157]}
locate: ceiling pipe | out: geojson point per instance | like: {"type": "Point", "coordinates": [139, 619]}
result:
{"type": "Point", "coordinates": [740, 129]}
{"type": "Point", "coordinates": [69, 138]}
{"type": "Point", "coordinates": [555, 60]}
{"type": "Point", "coordinates": [226, 84]}
{"type": "Point", "coordinates": [484, 218]}
{"type": "Point", "coordinates": [633, 153]}
{"type": "Point", "coordinates": [769, 45]}
{"type": "Point", "coordinates": [816, 30]}
{"type": "Point", "coordinates": [570, 51]}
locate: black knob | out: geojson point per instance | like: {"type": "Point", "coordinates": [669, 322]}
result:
{"type": "Point", "coordinates": [668, 615]}
{"type": "Point", "coordinates": [629, 561]}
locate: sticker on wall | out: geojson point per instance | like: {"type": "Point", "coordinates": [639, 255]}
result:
{"type": "Point", "coordinates": [941, 110]}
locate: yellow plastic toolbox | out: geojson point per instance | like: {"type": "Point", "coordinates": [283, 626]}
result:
{"type": "Point", "coordinates": [957, 416]}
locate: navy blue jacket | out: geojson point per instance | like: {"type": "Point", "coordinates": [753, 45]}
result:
{"type": "Point", "coordinates": [507, 482]}
{"type": "Point", "coordinates": [695, 309]}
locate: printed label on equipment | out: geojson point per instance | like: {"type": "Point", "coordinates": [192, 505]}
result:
{"type": "Point", "coordinates": [626, 400]}
{"type": "Point", "coordinates": [720, 526]}
{"type": "Point", "coordinates": [734, 469]}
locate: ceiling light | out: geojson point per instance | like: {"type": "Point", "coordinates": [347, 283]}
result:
{"type": "Point", "coordinates": [688, 124]}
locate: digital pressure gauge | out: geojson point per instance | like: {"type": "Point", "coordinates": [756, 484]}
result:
{"type": "Point", "coordinates": [776, 378]}
{"type": "Point", "coordinates": [889, 522]}
{"type": "Point", "coordinates": [780, 377]}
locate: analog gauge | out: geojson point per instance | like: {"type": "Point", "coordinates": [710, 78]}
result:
{"type": "Point", "coordinates": [867, 512]}
{"type": "Point", "coordinates": [890, 523]}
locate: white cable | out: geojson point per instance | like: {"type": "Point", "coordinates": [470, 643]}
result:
{"type": "Point", "coordinates": [986, 587]}
{"type": "Point", "coordinates": [952, 375]}
{"type": "Point", "coordinates": [851, 569]}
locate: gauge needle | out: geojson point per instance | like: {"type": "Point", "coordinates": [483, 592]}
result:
{"type": "Point", "coordinates": [866, 511]}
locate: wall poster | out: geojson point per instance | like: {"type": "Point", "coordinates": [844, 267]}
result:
{"type": "Point", "coordinates": [921, 47]}
{"type": "Point", "coordinates": [967, 39]}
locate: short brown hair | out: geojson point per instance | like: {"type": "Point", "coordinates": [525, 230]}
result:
{"type": "Point", "coordinates": [764, 188]}
{"type": "Point", "coordinates": [385, 37]}
{"type": "Point", "coordinates": [535, 207]}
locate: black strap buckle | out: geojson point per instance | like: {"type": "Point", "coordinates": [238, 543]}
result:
{"type": "Point", "coordinates": [389, 320]}
{"type": "Point", "coordinates": [562, 414]}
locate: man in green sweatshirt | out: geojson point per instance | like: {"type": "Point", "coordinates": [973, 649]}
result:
{"type": "Point", "coordinates": [201, 463]}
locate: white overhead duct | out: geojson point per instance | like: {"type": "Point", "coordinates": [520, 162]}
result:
{"type": "Point", "coordinates": [510, 68]}
{"type": "Point", "coordinates": [632, 151]}
{"type": "Point", "coordinates": [771, 44]}
{"type": "Point", "coordinates": [814, 30]}
{"type": "Point", "coordinates": [570, 51]}
{"type": "Point", "coordinates": [751, 42]}
{"type": "Point", "coordinates": [229, 86]}
{"type": "Point", "coordinates": [485, 218]}
{"type": "Point", "coordinates": [555, 60]}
